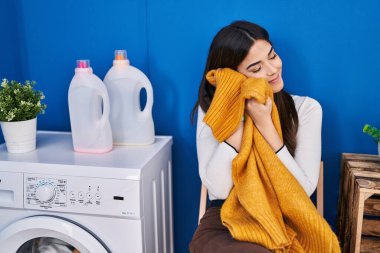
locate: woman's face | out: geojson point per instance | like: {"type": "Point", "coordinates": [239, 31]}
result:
{"type": "Point", "coordinates": [263, 62]}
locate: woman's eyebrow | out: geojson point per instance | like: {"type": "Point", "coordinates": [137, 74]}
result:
{"type": "Point", "coordinates": [253, 64]}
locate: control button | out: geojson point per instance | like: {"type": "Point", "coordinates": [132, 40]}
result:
{"type": "Point", "coordinates": [72, 195]}
{"type": "Point", "coordinates": [89, 195]}
{"type": "Point", "coordinates": [80, 195]}
{"type": "Point", "coordinates": [98, 196]}
{"type": "Point", "coordinates": [45, 193]}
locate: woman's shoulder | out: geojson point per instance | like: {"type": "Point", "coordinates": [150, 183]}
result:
{"type": "Point", "coordinates": [306, 105]}
{"type": "Point", "coordinates": [200, 115]}
{"type": "Point", "coordinates": [200, 112]}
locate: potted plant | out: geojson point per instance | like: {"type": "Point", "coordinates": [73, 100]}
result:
{"type": "Point", "coordinates": [19, 106]}
{"type": "Point", "coordinates": [374, 133]}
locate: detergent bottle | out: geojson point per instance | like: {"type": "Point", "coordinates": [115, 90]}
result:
{"type": "Point", "coordinates": [130, 125]}
{"type": "Point", "coordinates": [89, 111]}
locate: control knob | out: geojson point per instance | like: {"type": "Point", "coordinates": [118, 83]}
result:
{"type": "Point", "coordinates": [45, 193]}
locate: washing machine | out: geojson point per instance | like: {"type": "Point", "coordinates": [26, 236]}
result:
{"type": "Point", "coordinates": [58, 200]}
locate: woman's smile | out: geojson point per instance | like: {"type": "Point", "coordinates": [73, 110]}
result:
{"type": "Point", "coordinates": [273, 81]}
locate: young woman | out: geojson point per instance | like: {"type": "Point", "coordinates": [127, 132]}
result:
{"type": "Point", "coordinates": [246, 48]}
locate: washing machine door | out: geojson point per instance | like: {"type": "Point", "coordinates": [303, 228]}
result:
{"type": "Point", "coordinates": [57, 234]}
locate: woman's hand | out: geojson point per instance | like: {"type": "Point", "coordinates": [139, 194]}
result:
{"type": "Point", "coordinates": [262, 118]}
{"type": "Point", "coordinates": [259, 113]}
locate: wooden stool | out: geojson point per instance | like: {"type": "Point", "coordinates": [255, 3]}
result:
{"type": "Point", "coordinates": [359, 203]}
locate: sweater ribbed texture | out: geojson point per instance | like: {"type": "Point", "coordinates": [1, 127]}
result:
{"type": "Point", "coordinates": [267, 205]}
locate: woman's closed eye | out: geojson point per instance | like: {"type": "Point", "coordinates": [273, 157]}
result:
{"type": "Point", "coordinates": [255, 70]}
{"type": "Point", "coordinates": [272, 56]}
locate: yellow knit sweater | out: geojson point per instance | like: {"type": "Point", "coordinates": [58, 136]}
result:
{"type": "Point", "coordinates": [267, 205]}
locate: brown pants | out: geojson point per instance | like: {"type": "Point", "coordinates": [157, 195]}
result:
{"type": "Point", "coordinates": [212, 237]}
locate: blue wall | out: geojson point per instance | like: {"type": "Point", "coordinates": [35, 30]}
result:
{"type": "Point", "coordinates": [330, 51]}
{"type": "Point", "coordinates": [10, 66]}
{"type": "Point", "coordinates": [56, 34]}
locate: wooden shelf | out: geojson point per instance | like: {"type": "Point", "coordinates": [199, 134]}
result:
{"type": "Point", "coordinates": [359, 203]}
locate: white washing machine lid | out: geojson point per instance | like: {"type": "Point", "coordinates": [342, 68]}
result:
{"type": "Point", "coordinates": [19, 232]}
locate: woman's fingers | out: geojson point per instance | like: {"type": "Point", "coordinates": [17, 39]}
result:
{"type": "Point", "coordinates": [253, 102]}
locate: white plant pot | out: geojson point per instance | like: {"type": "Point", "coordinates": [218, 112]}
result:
{"type": "Point", "coordinates": [20, 136]}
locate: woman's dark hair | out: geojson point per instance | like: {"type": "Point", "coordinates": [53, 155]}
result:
{"type": "Point", "coordinates": [228, 49]}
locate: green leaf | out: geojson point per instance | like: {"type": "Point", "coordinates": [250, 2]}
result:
{"type": "Point", "coordinates": [20, 102]}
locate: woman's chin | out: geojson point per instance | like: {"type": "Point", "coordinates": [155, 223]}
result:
{"type": "Point", "coordinates": [278, 86]}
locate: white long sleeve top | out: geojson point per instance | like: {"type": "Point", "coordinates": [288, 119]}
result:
{"type": "Point", "coordinates": [215, 159]}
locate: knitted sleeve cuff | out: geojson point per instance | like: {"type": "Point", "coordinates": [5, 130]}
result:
{"type": "Point", "coordinates": [231, 146]}
{"type": "Point", "coordinates": [280, 148]}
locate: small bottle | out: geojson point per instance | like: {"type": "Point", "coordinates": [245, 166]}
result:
{"type": "Point", "coordinates": [89, 111]}
{"type": "Point", "coordinates": [130, 125]}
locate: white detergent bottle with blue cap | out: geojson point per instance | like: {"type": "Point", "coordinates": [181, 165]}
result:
{"type": "Point", "coordinates": [89, 109]}
{"type": "Point", "coordinates": [130, 124]}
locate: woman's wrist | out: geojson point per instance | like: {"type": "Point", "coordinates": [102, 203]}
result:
{"type": "Point", "coordinates": [235, 139]}
{"type": "Point", "coordinates": [271, 135]}
{"type": "Point", "coordinates": [278, 150]}
{"type": "Point", "coordinates": [264, 124]}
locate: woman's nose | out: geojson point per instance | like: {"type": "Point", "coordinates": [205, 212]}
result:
{"type": "Point", "coordinates": [271, 70]}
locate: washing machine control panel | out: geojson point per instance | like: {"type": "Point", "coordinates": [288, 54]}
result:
{"type": "Point", "coordinates": [46, 192]}
{"type": "Point", "coordinates": [82, 195]}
